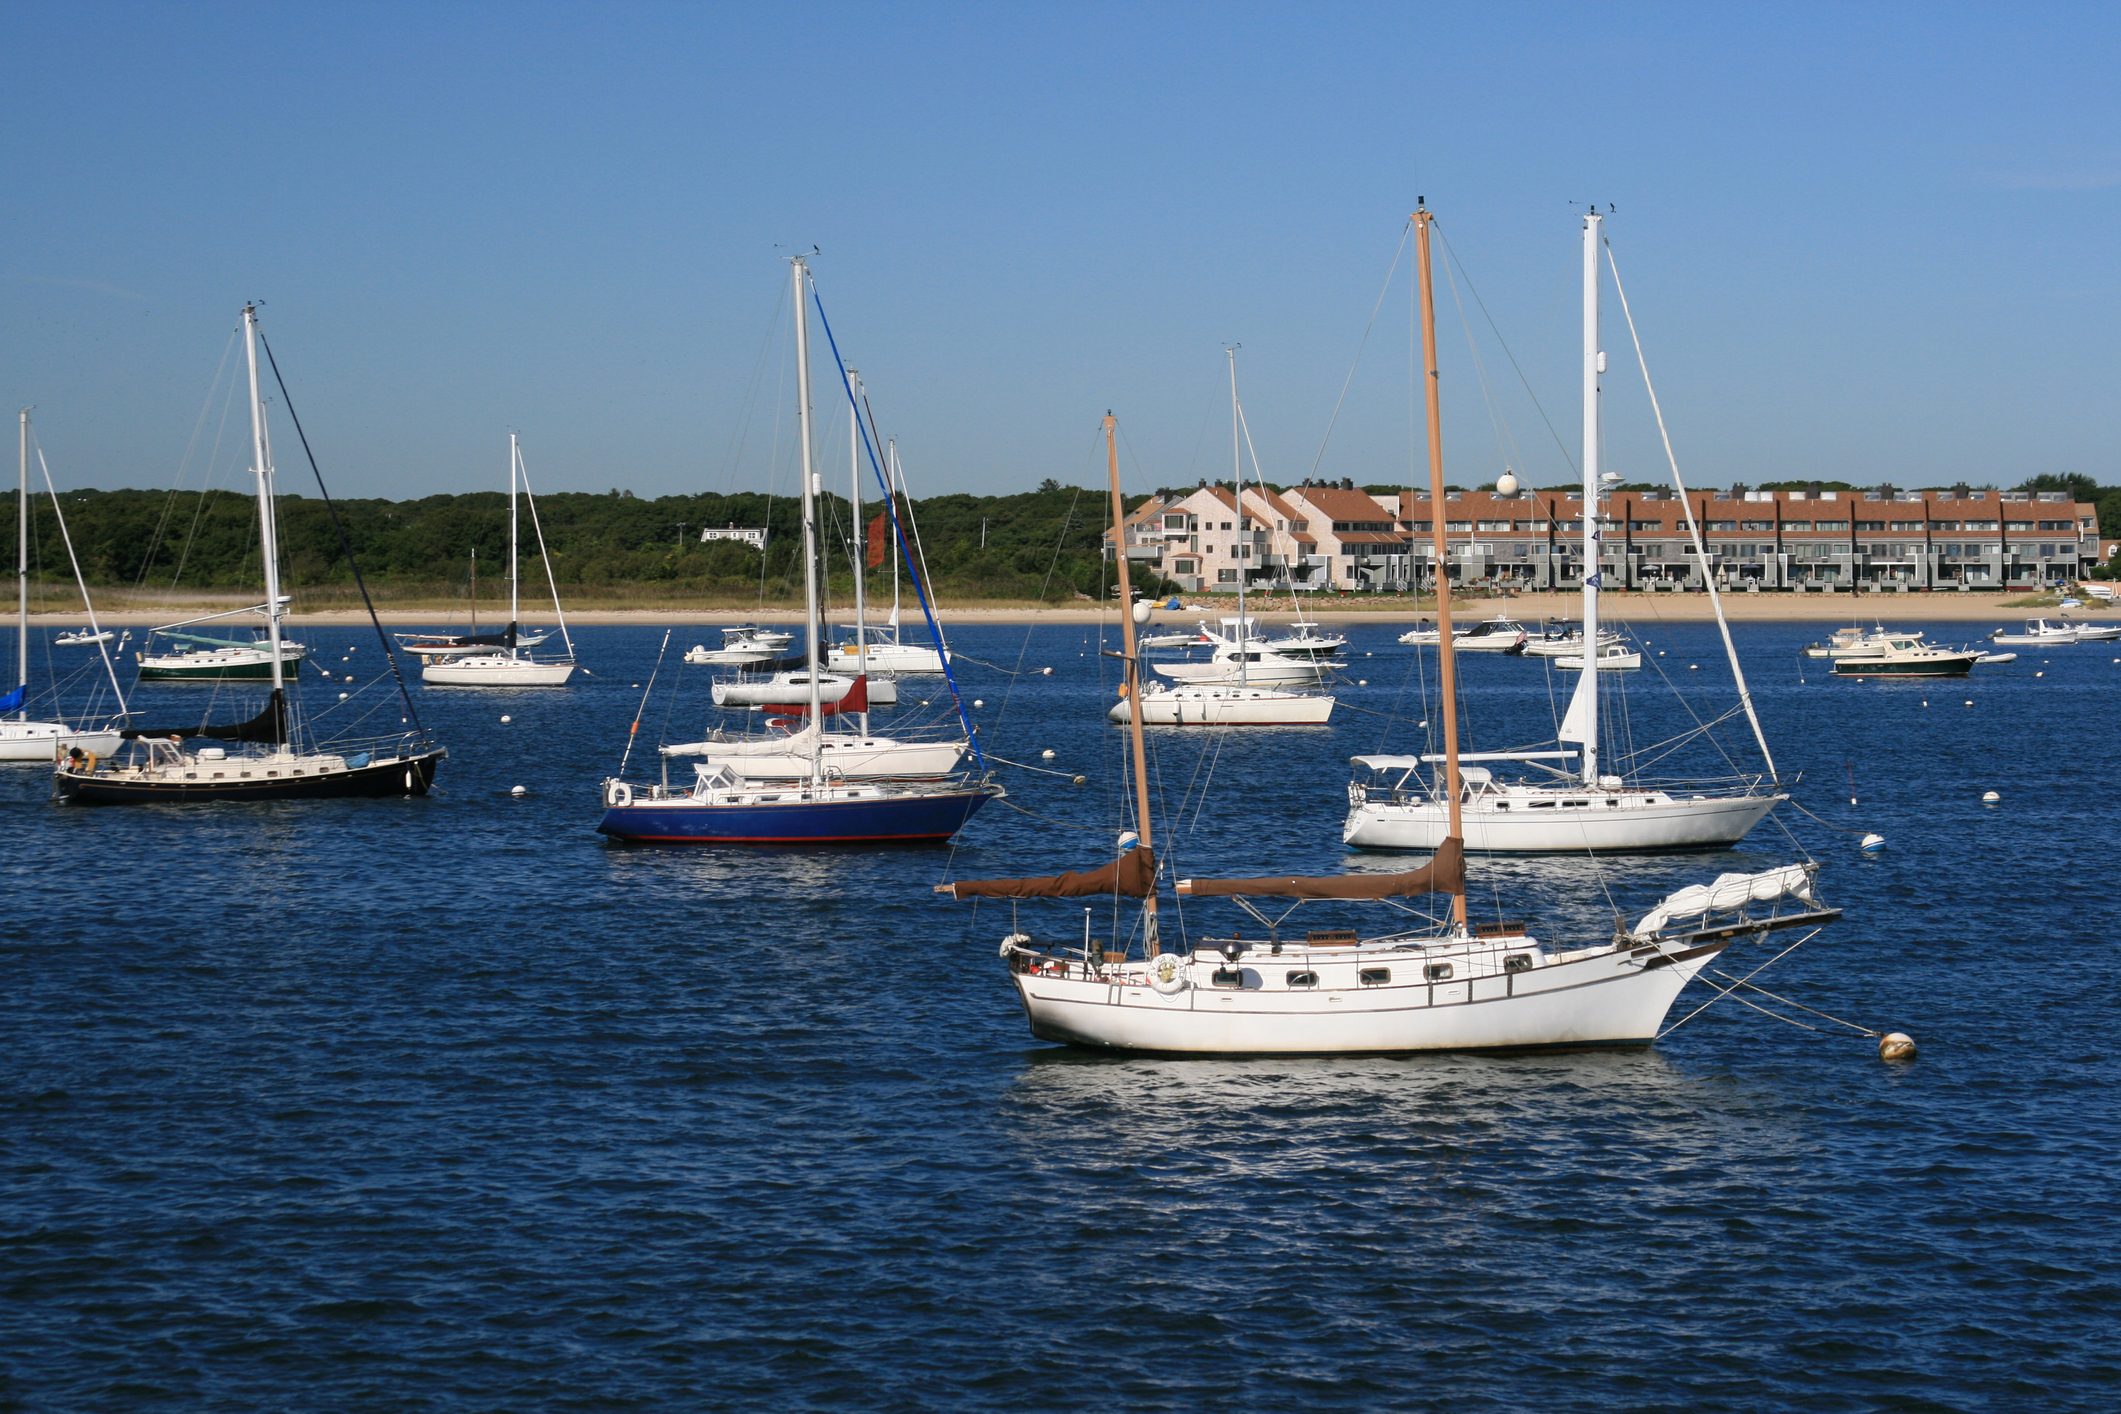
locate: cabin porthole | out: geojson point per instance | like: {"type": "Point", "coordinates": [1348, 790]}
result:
{"type": "Point", "coordinates": [1375, 976]}
{"type": "Point", "coordinates": [1302, 979]}
{"type": "Point", "coordinates": [1517, 962]}
{"type": "Point", "coordinates": [1437, 972]}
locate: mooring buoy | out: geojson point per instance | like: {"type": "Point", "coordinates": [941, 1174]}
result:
{"type": "Point", "coordinates": [1896, 1046]}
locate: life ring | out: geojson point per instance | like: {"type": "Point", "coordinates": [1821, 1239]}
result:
{"type": "Point", "coordinates": [1167, 973]}
{"type": "Point", "coordinates": [617, 794]}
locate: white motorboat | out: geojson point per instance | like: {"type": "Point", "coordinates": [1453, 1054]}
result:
{"type": "Point", "coordinates": [82, 637]}
{"type": "Point", "coordinates": [1904, 655]}
{"type": "Point", "coordinates": [1441, 985]}
{"type": "Point", "coordinates": [1244, 630]}
{"type": "Point", "coordinates": [1564, 640]}
{"type": "Point", "coordinates": [1612, 657]}
{"type": "Point", "coordinates": [1844, 641]}
{"type": "Point", "coordinates": [1501, 634]}
{"type": "Point", "coordinates": [2098, 633]}
{"type": "Point", "coordinates": [2037, 633]}
{"type": "Point", "coordinates": [743, 645]}
{"type": "Point", "coordinates": [1154, 641]}
{"type": "Point", "coordinates": [1556, 808]}
{"type": "Point", "coordinates": [510, 664]}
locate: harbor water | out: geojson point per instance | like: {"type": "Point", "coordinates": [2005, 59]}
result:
{"type": "Point", "coordinates": [449, 1103]}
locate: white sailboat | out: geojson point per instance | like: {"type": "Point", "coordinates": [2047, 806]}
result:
{"type": "Point", "coordinates": [1395, 802]}
{"type": "Point", "coordinates": [510, 664]}
{"type": "Point", "coordinates": [22, 739]}
{"type": "Point", "coordinates": [857, 755]}
{"type": "Point", "coordinates": [821, 805]}
{"type": "Point", "coordinates": [879, 649]}
{"type": "Point", "coordinates": [1241, 685]}
{"type": "Point", "coordinates": [1439, 986]}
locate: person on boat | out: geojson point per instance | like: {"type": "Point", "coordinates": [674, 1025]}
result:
{"type": "Point", "coordinates": [81, 761]}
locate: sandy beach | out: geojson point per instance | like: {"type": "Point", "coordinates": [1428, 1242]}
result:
{"type": "Point", "coordinates": [1531, 608]}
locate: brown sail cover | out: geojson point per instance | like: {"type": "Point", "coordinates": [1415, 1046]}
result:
{"type": "Point", "coordinates": [1444, 874]}
{"type": "Point", "coordinates": [1133, 874]}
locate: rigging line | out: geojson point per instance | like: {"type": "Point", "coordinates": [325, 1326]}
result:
{"type": "Point", "coordinates": [345, 545]}
{"type": "Point", "coordinates": [102, 647]}
{"type": "Point", "coordinates": [1450, 259]}
{"type": "Point", "coordinates": [1723, 992]}
{"type": "Point", "coordinates": [1789, 1001]}
{"type": "Point", "coordinates": [1504, 442]}
{"type": "Point", "coordinates": [1708, 575]}
{"type": "Point", "coordinates": [1349, 381]}
{"type": "Point", "coordinates": [523, 468]}
{"type": "Point", "coordinates": [642, 710]}
{"type": "Point", "coordinates": [191, 445]}
{"type": "Point", "coordinates": [914, 571]}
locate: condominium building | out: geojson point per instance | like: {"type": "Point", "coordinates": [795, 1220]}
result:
{"type": "Point", "coordinates": [1336, 537]}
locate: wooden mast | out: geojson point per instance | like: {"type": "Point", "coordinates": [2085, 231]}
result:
{"type": "Point", "coordinates": [1446, 653]}
{"type": "Point", "coordinates": [1130, 673]}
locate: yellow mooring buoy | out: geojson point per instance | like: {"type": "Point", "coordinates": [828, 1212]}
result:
{"type": "Point", "coordinates": [1896, 1046]}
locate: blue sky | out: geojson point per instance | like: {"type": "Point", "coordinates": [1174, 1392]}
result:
{"type": "Point", "coordinates": [1865, 242]}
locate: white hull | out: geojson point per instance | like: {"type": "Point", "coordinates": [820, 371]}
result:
{"type": "Point", "coordinates": [782, 689]}
{"type": "Point", "coordinates": [1565, 647]}
{"type": "Point", "coordinates": [901, 658]}
{"type": "Point", "coordinates": [1219, 670]}
{"type": "Point", "coordinates": [1532, 820]}
{"type": "Point", "coordinates": [731, 657]}
{"type": "Point", "coordinates": [1604, 996]}
{"type": "Point", "coordinates": [2086, 633]}
{"type": "Point", "coordinates": [852, 758]}
{"type": "Point", "coordinates": [1227, 705]}
{"type": "Point", "coordinates": [496, 670]}
{"type": "Point", "coordinates": [46, 741]}
{"type": "Point", "coordinates": [1608, 661]}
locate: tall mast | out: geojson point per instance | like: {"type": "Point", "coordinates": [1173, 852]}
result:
{"type": "Point", "coordinates": [1446, 651]}
{"type": "Point", "coordinates": [1585, 700]}
{"type": "Point", "coordinates": [515, 556]}
{"type": "Point", "coordinates": [892, 491]}
{"type": "Point", "coordinates": [22, 574]}
{"type": "Point", "coordinates": [268, 525]}
{"type": "Point", "coordinates": [1130, 672]}
{"type": "Point", "coordinates": [1237, 494]}
{"type": "Point", "coordinates": [861, 533]}
{"type": "Point", "coordinates": [798, 270]}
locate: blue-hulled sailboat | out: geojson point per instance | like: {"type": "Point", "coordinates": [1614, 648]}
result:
{"type": "Point", "coordinates": [722, 807]}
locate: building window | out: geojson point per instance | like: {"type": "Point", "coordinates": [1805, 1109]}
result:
{"type": "Point", "coordinates": [1226, 576]}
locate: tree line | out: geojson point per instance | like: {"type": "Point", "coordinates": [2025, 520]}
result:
{"type": "Point", "coordinates": [1044, 545]}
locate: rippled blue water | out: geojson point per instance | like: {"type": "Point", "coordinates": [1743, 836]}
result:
{"type": "Point", "coordinates": [450, 1104]}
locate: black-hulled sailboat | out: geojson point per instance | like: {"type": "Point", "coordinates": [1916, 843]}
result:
{"type": "Point", "coordinates": [267, 756]}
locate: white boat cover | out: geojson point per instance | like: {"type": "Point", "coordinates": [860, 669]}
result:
{"type": "Point", "coordinates": [1728, 892]}
{"type": "Point", "coordinates": [794, 743]}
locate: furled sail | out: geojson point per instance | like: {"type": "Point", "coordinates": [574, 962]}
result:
{"type": "Point", "coordinates": [1443, 874]}
{"type": "Point", "coordinates": [268, 726]}
{"type": "Point", "coordinates": [1132, 874]}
